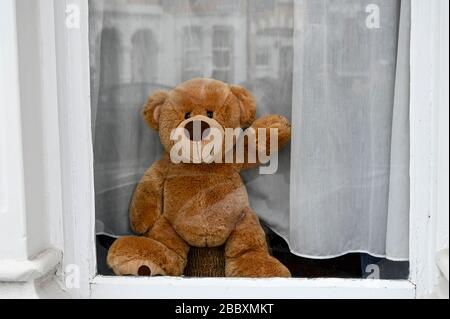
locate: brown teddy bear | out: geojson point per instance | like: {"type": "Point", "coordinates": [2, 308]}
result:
{"type": "Point", "coordinates": [178, 206]}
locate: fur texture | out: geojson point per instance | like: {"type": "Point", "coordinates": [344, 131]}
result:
{"type": "Point", "coordinates": [176, 206]}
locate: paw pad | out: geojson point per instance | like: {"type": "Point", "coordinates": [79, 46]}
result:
{"type": "Point", "coordinates": [144, 271]}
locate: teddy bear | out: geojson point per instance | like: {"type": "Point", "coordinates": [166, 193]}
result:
{"type": "Point", "coordinates": [182, 204]}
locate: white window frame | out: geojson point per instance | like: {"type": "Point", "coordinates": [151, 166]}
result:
{"type": "Point", "coordinates": [69, 73]}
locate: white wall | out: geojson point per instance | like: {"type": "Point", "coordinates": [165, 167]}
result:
{"type": "Point", "coordinates": [29, 182]}
{"type": "Point", "coordinates": [12, 201]}
{"type": "Point", "coordinates": [32, 125]}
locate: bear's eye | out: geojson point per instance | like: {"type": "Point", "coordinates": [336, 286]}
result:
{"type": "Point", "coordinates": [187, 115]}
{"type": "Point", "coordinates": [210, 114]}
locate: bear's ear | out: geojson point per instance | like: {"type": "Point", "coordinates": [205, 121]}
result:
{"type": "Point", "coordinates": [247, 103]}
{"type": "Point", "coordinates": [152, 109]}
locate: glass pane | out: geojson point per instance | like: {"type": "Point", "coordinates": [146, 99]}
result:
{"type": "Point", "coordinates": [222, 75]}
{"type": "Point", "coordinates": [192, 60]}
{"type": "Point", "coordinates": [192, 37]}
{"type": "Point", "coordinates": [222, 38]}
{"type": "Point", "coordinates": [337, 203]}
{"type": "Point", "coordinates": [222, 59]}
{"type": "Point", "coordinates": [263, 56]}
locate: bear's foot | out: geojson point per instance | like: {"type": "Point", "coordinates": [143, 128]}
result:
{"type": "Point", "coordinates": [255, 265]}
{"type": "Point", "coordinates": [140, 256]}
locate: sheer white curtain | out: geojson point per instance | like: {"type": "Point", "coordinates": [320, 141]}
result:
{"type": "Point", "coordinates": [349, 184]}
{"type": "Point", "coordinates": [324, 64]}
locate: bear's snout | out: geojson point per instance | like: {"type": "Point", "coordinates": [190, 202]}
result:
{"type": "Point", "coordinates": [196, 129]}
{"type": "Point", "coordinates": [194, 140]}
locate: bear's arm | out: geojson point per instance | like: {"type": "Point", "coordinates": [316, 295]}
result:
{"type": "Point", "coordinates": [146, 205]}
{"type": "Point", "coordinates": [266, 122]}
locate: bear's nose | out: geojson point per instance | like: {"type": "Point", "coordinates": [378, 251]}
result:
{"type": "Point", "coordinates": [195, 129]}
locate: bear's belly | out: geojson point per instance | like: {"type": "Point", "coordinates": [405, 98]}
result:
{"type": "Point", "coordinates": [204, 209]}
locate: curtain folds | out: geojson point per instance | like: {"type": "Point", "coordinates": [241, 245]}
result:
{"type": "Point", "coordinates": [350, 186]}
{"type": "Point", "coordinates": [338, 69]}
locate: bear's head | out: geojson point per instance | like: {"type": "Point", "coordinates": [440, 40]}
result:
{"type": "Point", "coordinates": [199, 105]}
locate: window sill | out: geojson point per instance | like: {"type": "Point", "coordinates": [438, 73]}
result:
{"type": "Point", "coordinates": [231, 288]}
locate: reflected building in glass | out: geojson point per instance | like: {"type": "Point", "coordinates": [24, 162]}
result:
{"type": "Point", "coordinates": [165, 42]}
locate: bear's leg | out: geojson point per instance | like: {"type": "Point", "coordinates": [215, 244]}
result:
{"type": "Point", "coordinates": [163, 252]}
{"type": "Point", "coordinates": [247, 254]}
